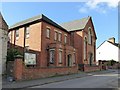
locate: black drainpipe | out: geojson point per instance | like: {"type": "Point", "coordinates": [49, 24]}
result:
{"type": "Point", "coordinates": [24, 43]}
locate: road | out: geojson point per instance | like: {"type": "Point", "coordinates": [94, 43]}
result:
{"type": "Point", "coordinates": [109, 80]}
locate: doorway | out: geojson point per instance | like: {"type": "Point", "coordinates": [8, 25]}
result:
{"type": "Point", "coordinates": [69, 59]}
{"type": "Point", "coordinates": [90, 59]}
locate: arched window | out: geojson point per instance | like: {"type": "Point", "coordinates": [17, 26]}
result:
{"type": "Point", "coordinates": [85, 48]}
{"type": "Point", "coordinates": [89, 35]}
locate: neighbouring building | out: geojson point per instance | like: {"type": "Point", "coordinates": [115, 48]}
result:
{"type": "Point", "coordinates": [3, 44]}
{"type": "Point", "coordinates": [47, 44]}
{"type": "Point", "coordinates": [108, 50]}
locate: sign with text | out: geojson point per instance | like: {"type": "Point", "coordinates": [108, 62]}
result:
{"type": "Point", "coordinates": [30, 59]}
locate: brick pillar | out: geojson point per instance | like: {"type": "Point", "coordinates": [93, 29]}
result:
{"type": "Point", "coordinates": [18, 67]}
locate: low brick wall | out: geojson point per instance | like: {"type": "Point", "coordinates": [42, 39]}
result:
{"type": "Point", "coordinates": [33, 73]}
{"type": "Point", "coordinates": [91, 68]}
{"type": "Point", "coordinates": [21, 72]}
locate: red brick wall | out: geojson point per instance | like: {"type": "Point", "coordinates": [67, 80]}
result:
{"type": "Point", "coordinates": [47, 41]}
{"type": "Point", "coordinates": [21, 72]}
{"type": "Point", "coordinates": [90, 48]}
{"type": "Point", "coordinates": [32, 73]}
{"type": "Point", "coordinates": [91, 68]}
{"type": "Point", "coordinates": [38, 42]}
{"type": "Point", "coordinates": [78, 44]}
{"type": "Point", "coordinates": [18, 69]}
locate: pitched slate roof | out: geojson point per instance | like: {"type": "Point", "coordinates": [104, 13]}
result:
{"type": "Point", "coordinates": [76, 24]}
{"type": "Point", "coordinates": [115, 44]}
{"type": "Point", "coordinates": [26, 21]}
{"type": "Point", "coordinates": [36, 19]}
{"type": "Point", "coordinates": [68, 26]}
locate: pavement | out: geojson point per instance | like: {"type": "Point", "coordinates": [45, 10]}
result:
{"type": "Point", "coordinates": [37, 82]}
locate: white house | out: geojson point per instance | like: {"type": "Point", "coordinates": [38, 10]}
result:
{"type": "Point", "coordinates": [108, 50]}
{"type": "Point", "coordinates": [3, 44]}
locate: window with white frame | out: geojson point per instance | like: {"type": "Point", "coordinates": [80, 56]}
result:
{"type": "Point", "coordinates": [65, 39]}
{"type": "Point", "coordinates": [52, 56]}
{"type": "Point", "coordinates": [48, 33]}
{"type": "Point", "coordinates": [60, 56]}
{"type": "Point", "coordinates": [17, 33]}
{"type": "Point", "coordinates": [89, 36]}
{"type": "Point", "coordinates": [27, 32]}
{"type": "Point", "coordinates": [74, 58]}
{"type": "Point", "coordinates": [55, 37]}
{"type": "Point", "coordinates": [60, 37]}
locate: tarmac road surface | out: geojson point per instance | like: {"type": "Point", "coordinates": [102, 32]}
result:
{"type": "Point", "coordinates": [108, 80]}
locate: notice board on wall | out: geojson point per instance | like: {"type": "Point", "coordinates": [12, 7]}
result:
{"type": "Point", "coordinates": [30, 59]}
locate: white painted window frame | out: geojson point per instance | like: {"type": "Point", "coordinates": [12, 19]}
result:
{"type": "Point", "coordinates": [60, 37]}
{"type": "Point", "coordinates": [48, 32]}
{"type": "Point", "coordinates": [89, 35]}
{"type": "Point", "coordinates": [27, 32]}
{"type": "Point", "coordinates": [17, 33]}
{"type": "Point", "coordinates": [60, 55]}
{"type": "Point", "coordinates": [55, 36]}
{"type": "Point", "coordinates": [50, 57]}
{"type": "Point", "coordinates": [65, 39]}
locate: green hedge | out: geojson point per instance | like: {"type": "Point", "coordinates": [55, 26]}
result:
{"type": "Point", "coordinates": [11, 53]}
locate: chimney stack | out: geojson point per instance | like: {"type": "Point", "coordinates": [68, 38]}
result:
{"type": "Point", "coordinates": [112, 40]}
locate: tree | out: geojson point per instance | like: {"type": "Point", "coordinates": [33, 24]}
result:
{"type": "Point", "coordinates": [11, 53]}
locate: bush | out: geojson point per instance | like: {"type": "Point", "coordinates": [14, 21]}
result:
{"type": "Point", "coordinates": [111, 62]}
{"type": "Point", "coordinates": [11, 53]}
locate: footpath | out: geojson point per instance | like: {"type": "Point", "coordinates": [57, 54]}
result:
{"type": "Point", "coordinates": [36, 82]}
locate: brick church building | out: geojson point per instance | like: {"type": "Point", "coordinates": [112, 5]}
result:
{"type": "Point", "coordinates": [47, 44]}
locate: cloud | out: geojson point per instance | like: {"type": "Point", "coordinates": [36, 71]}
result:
{"type": "Point", "coordinates": [83, 10]}
{"type": "Point", "coordinates": [98, 5]}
